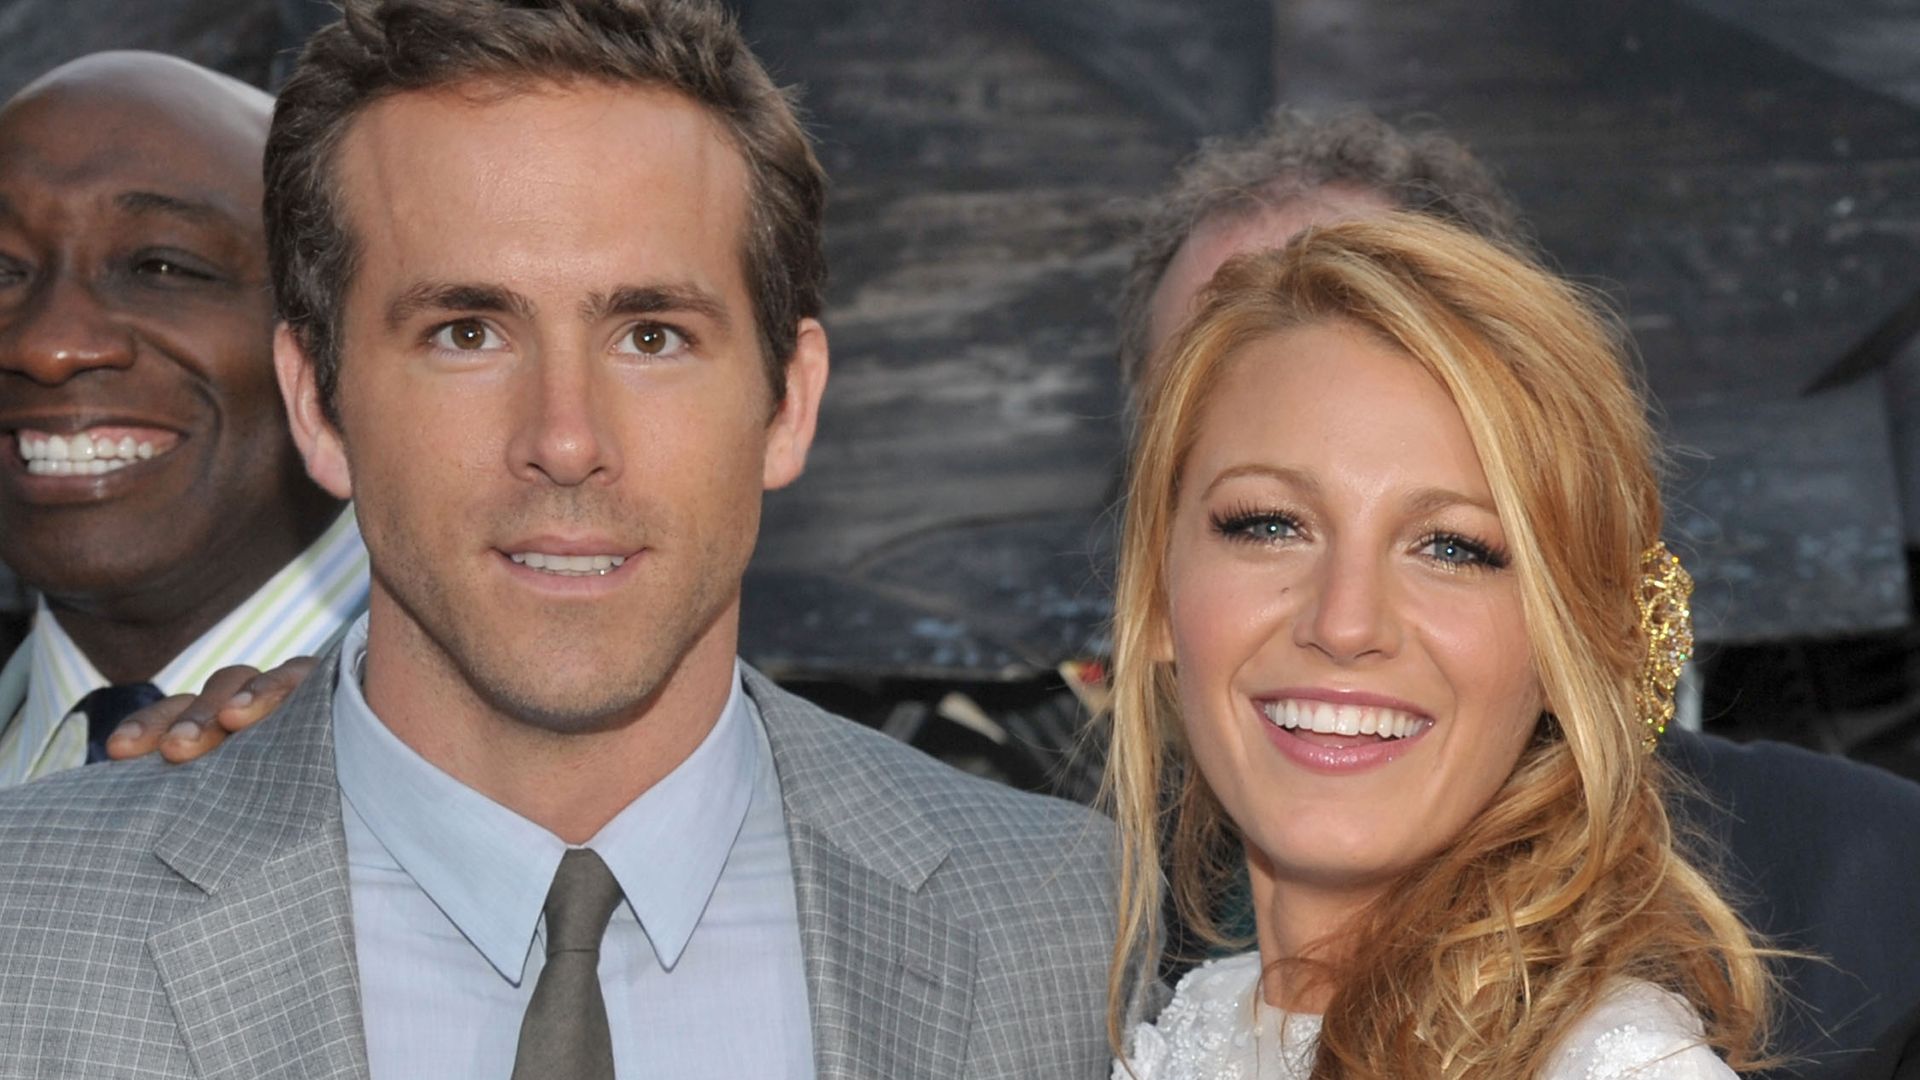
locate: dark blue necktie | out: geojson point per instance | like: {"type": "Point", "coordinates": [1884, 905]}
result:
{"type": "Point", "coordinates": [107, 707]}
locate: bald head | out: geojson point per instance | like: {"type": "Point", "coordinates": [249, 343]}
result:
{"type": "Point", "coordinates": [118, 102]}
{"type": "Point", "coordinates": [167, 84]}
{"type": "Point", "coordinates": [141, 120]}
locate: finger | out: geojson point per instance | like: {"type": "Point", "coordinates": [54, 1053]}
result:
{"type": "Point", "coordinates": [141, 732]}
{"type": "Point", "coordinates": [179, 742]}
{"type": "Point", "coordinates": [186, 740]}
{"type": "Point", "coordinates": [264, 693]}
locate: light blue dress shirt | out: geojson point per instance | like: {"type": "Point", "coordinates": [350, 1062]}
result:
{"type": "Point", "coordinates": [701, 967]}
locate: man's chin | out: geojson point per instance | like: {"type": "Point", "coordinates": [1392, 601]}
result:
{"type": "Point", "coordinates": [104, 576]}
{"type": "Point", "coordinates": [588, 704]}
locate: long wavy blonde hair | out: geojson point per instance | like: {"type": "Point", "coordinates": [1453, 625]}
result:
{"type": "Point", "coordinates": [1479, 960]}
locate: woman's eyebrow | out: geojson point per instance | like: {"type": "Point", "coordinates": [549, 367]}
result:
{"type": "Point", "coordinates": [1432, 500]}
{"type": "Point", "coordinates": [1307, 485]}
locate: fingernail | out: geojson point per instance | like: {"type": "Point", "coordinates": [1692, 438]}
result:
{"type": "Point", "coordinates": [185, 729]}
{"type": "Point", "coordinates": [125, 731]}
{"type": "Point", "coordinates": [241, 700]}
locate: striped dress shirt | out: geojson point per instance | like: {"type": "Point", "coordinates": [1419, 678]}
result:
{"type": "Point", "coordinates": [294, 614]}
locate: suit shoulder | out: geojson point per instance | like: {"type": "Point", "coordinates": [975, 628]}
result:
{"type": "Point", "coordinates": [868, 783]}
{"type": "Point", "coordinates": [990, 811]}
{"type": "Point", "coordinates": [79, 848]}
{"type": "Point", "coordinates": [1762, 770]}
{"type": "Point", "coordinates": [101, 805]}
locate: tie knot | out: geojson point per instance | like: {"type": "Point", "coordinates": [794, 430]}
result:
{"type": "Point", "coordinates": [581, 901]}
{"type": "Point", "coordinates": [106, 707]}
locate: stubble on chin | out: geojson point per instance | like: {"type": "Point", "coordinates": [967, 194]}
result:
{"type": "Point", "coordinates": [563, 672]}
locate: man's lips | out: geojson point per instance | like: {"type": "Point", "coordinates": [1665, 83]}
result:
{"type": "Point", "coordinates": [568, 564]}
{"type": "Point", "coordinates": [92, 450]}
{"type": "Point", "coordinates": [569, 557]}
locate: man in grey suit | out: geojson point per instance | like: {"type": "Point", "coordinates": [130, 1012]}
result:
{"type": "Point", "coordinates": [549, 276]}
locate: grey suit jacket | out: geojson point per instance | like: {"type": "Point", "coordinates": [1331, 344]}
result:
{"type": "Point", "coordinates": [196, 921]}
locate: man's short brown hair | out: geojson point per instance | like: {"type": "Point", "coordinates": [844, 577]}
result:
{"type": "Point", "coordinates": [1291, 155]}
{"type": "Point", "coordinates": [380, 48]}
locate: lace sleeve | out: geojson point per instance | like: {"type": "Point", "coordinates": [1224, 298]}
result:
{"type": "Point", "coordinates": [1146, 1053]}
{"type": "Point", "coordinates": [1206, 1031]}
{"type": "Point", "coordinates": [1638, 1032]}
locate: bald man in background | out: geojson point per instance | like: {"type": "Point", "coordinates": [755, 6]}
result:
{"type": "Point", "coordinates": [149, 489]}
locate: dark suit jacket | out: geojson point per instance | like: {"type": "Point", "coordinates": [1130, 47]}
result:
{"type": "Point", "coordinates": [1823, 855]}
{"type": "Point", "coordinates": [1897, 1057]}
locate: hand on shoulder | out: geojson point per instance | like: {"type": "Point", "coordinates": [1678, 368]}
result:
{"type": "Point", "coordinates": [188, 726]}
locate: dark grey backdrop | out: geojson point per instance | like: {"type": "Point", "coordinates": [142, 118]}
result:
{"type": "Point", "coordinates": [1742, 175]}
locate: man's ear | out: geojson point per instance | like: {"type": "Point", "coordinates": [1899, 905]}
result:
{"type": "Point", "coordinates": [313, 433]}
{"type": "Point", "coordinates": [790, 432]}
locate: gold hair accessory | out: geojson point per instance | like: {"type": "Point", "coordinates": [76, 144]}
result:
{"type": "Point", "coordinates": [1666, 625]}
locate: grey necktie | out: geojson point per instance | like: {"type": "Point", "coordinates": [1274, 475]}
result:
{"type": "Point", "coordinates": [565, 1035]}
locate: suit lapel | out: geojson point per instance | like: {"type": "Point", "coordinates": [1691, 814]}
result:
{"type": "Point", "coordinates": [889, 976]}
{"type": "Point", "coordinates": [262, 976]}
{"type": "Point", "coordinates": [263, 979]}
{"type": "Point", "coordinates": [889, 979]}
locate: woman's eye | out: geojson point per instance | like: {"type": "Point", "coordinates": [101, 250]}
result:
{"type": "Point", "coordinates": [653, 340]}
{"type": "Point", "coordinates": [1459, 551]}
{"type": "Point", "coordinates": [466, 335]}
{"type": "Point", "coordinates": [1257, 527]}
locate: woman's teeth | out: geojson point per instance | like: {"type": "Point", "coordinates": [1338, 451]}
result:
{"type": "Point", "coordinates": [82, 454]}
{"type": "Point", "coordinates": [1330, 719]}
{"type": "Point", "coordinates": [568, 565]}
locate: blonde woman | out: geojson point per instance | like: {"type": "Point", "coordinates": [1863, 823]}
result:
{"type": "Point", "coordinates": [1396, 630]}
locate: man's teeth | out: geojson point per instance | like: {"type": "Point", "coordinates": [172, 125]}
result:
{"type": "Point", "coordinates": [568, 565]}
{"type": "Point", "coordinates": [81, 454]}
{"type": "Point", "coordinates": [1330, 719]}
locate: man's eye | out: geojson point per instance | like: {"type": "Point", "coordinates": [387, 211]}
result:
{"type": "Point", "coordinates": [466, 335]}
{"type": "Point", "coordinates": [164, 266]}
{"type": "Point", "coordinates": [653, 339]}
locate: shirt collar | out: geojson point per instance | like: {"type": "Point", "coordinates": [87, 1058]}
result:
{"type": "Point", "coordinates": [294, 614]}
{"type": "Point", "coordinates": [488, 869]}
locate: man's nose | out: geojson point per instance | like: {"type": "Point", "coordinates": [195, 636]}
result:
{"type": "Point", "coordinates": [566, 435]}
{"type": "Point", "coordinates": [60, 330]}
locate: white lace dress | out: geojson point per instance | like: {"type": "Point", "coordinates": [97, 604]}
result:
{"type": "Point", "coordinates": [1214, 1030]}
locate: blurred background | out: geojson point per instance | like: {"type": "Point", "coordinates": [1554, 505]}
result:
{"type": "Point", "coordinates": [1741, 177]}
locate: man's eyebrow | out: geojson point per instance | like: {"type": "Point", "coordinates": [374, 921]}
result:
{"type": "Point", "coordinates": [656, 300]}
{"type": "Point", "coordinates": [456, 296]}
{"type": "Point", "coordinates": [192, 210]}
